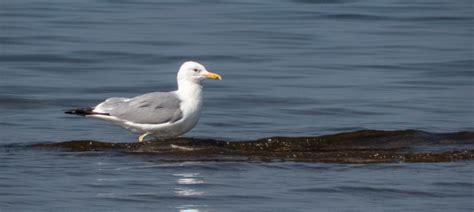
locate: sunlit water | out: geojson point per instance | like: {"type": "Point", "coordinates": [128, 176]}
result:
{"type": "Point", "coordinates": [290, 68]}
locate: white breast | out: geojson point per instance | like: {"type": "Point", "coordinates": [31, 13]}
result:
{"type": "Point", "coordinates": [191, 113]}
{"type": "Point", "coordinates": [191, 106]}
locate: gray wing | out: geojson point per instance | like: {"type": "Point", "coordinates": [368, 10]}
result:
{"type": "Point", "coordinates": [150, 108]}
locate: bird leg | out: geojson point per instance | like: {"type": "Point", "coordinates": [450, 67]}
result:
{"type": "Point", "coordinates": [141, 137]}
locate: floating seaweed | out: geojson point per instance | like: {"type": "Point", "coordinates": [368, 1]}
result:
{"type": "Point", "coordinates": [365, 146]}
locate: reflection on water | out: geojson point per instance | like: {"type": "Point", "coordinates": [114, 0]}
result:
{"type": "Point", "coordinates": [187, 208]}
{"type": "Point", "coordinates": [188, 192]}
{"type": "Point", "coordinates": [186, 180]}
{"type": "Point", "coordinates": [189, 181]}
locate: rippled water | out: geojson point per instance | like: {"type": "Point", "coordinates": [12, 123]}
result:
{"type": "Point", "coordinates": [127, 183]}
{"type": "Point", "coordinates": [303, 67]}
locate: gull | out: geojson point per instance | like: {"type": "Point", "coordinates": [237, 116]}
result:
{"type": "Point", "coordinates": [160, 114]}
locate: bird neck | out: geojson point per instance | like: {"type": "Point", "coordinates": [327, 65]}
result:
{"type": "Point", "coordinates": [189, 89]}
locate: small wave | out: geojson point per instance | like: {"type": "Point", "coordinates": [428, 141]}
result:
{"type": "Point", "coordinates": [322, 1]}
{"type": "Point", "coordinates": [367, 17]}
{"type": "Point", "coordinates": [455, 184]}
{"type": "Point", "coordinates": [363, 146]}
{"type": "Point", "coordinates": [16, 103]}
{"type": "Point", "coordinates": [242, 197]}
{"type": "Point", "coordinates": [360, 190]}
{"type": "Point", "coordinates": [43, 58]}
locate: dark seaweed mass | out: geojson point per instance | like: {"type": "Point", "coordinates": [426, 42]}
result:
{"type": "Point", "coordinates": [365, 146]}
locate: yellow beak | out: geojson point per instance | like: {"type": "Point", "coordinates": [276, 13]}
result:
{"type": "Point", "coordinates": [213, 76]}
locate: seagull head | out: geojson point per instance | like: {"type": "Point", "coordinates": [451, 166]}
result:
{"type": "Point", "coordinates": [195, 72]}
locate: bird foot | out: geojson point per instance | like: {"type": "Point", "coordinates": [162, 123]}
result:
{"type": "Point", "coordinates": [142, 137]}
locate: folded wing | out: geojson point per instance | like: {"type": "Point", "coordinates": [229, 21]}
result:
{"type": "Point", "coordinates": [150, 108]}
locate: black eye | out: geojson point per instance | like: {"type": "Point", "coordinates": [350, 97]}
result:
{"type": "Point", "coordinates": [196, 70]}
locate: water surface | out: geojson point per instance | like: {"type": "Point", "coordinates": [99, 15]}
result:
{"type": "Point", "coordinates": [292, 68]}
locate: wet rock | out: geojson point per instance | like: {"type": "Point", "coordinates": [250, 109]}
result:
{"type": "Point", "coordinates": [365, 146]}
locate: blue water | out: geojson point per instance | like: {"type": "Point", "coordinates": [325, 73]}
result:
{"type": "Point", "coordinates": [292, 68]}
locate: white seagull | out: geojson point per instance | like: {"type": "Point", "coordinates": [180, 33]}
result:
{"type": "Point", "coordinates": [160, 114]}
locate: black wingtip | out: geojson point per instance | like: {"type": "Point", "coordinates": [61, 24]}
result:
{"type": "Point", "coordinates": [80, 111]}
{"type": "Point", "coordinates": [84, 112]}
